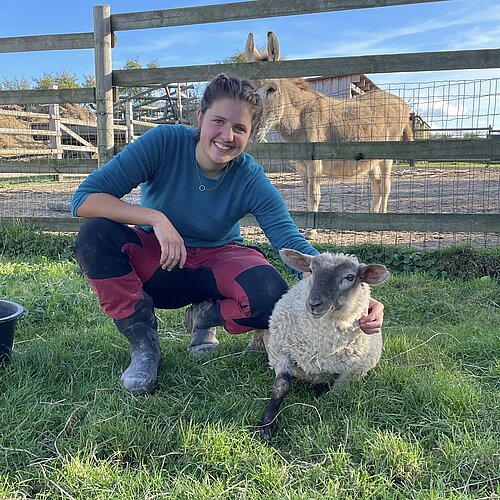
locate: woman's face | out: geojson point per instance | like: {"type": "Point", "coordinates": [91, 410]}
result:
{"type": "Point", "coordinates": [224, 132]}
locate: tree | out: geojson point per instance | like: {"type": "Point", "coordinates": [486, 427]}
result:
{"type": "Point", "coordinates": [63, 80]}
{"type": "Point", "coordinates": [14, 84]}
{"type": "Point", "coordinates": [237, 57]}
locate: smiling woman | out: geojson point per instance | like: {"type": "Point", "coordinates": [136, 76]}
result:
{"type": "Point", "coordinates": [183, 245]}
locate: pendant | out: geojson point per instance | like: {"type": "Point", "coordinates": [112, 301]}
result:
{"type": "Point", "coordinates": [201, 187]}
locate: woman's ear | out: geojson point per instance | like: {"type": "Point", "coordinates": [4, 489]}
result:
{"type": "Point", "coordinates": [199, 116]}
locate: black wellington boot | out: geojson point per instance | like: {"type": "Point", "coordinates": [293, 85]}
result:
{"type": "Point", "coordinates": [141, 330]}
{"type": "Point", "coordinates": [201, 319]}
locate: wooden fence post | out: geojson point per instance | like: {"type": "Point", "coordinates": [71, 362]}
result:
{"type": "Point", "coordinates": [55, 126]}
{"type": "Point", "coordinates": [104, 83]}
{"type": "Point", "coordinates": [129, 121]}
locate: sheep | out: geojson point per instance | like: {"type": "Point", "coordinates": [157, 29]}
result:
{"type": "Point", "coordinates": [314, 333]}
{"type": "Point", "coordinates": [298, 113]}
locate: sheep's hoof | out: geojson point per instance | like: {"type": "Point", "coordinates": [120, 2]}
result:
{"type": "Point", "coordinates": [256, 343]}
{"type": "Point", "coordinates": [320, 389]}
{"type": "Point", "coordinates": [266, 431]}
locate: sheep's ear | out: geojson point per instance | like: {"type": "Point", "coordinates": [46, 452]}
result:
{"type": "Point", "coordinates": [273, 47]}
{"type": "Point", "coordinates": [373, 274]}
{"type": "Point", "coordinates": [298, 261]}
{"type": "Point", "coordinates": [251, 52]}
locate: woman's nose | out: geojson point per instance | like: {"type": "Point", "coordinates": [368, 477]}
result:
{"type": "Point", "coordinates": [227, 134]}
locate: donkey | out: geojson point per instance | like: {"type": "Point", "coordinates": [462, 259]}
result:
{"type": "Point", "coordinates": [298, 113]}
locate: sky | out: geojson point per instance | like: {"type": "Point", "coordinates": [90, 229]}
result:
{"type": "Point", "coordinates": [434, 26]}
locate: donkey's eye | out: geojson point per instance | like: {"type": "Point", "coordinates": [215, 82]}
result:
{"type": "Point", "coordinates": [350, 277]}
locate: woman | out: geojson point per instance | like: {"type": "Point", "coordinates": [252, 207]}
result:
{"type": "Point", "coordinates": [184, 246]}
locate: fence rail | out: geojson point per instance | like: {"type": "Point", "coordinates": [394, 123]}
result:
{"type": "Point", "coordinates": [256, 9]}
{"type": "Point", "coordinates": [390, 63]}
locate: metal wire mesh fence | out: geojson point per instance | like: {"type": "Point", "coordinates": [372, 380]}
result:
{"type": "Point", "coordinates": [34, 137]}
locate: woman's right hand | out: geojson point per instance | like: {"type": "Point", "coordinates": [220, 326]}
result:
{"type": "Point", "coordinates": [173, 251]}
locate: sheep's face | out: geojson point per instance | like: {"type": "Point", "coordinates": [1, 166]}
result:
{"type": "Point", "coordinates": [332, 286]}
{"type": "Point", "coordinates": [334, 279]}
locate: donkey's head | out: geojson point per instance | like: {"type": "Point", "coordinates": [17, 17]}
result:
{"type": "Point", "coordinates": [270, 90]}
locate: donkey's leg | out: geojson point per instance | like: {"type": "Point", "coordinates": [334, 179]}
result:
{"type": "Point", "coordinates": [385, 183]}
{"type": "Point", "coordinates": [313, 193]}
{"type": "Point", "coordinates": [375, 176]}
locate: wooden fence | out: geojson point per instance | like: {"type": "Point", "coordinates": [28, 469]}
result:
{"type": "Point", "coordinates": [103, 39]}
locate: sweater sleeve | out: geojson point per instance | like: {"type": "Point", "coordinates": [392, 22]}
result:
{"type": "Point", "coordinates": [273, 217]}
{"type": "Point", "coordinates": [129, 168]}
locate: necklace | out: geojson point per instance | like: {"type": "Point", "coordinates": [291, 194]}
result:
{"type": "Point", "coordinates": [202, 186]}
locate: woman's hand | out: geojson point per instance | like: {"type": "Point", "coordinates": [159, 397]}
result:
{"type": "Point", "coordinates": [372, 320]}
{"type": "Point", "coordinates": [173, 251]}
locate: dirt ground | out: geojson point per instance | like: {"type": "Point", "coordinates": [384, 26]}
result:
{"type": "Point", "coordinates": [419, 189]}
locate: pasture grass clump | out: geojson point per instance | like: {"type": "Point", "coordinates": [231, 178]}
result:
{"type": "Point", "coordinates": [423, 424]}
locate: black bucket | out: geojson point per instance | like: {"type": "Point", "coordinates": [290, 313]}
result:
{"type": "Point", "coordinates": [9, 312]}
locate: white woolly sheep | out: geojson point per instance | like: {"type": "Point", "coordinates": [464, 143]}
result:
{"type": "Point", "coordinates": [314, 332]}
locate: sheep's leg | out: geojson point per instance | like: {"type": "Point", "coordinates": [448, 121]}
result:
{"type": "Point", "coordinates": [268, 424]}
{"type": "Point", "coordinates": [346, 377]}
{"type": "Point", "coordinates": [257, 341]}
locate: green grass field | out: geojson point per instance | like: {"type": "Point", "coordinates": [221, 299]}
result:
{"type": "Point", "coordinates": [424, 424]}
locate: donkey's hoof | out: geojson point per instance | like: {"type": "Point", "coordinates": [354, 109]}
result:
{"type": "Point", "coordinates": [310, 234]}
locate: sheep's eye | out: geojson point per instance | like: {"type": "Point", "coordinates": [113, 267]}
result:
{"type": "Point", "coordinates": [271, 90]}
{"type": "Point", "coordinates": [350, 277]}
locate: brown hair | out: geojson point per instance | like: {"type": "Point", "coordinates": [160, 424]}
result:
{"type": "Point", "coordinates": [232, 87]}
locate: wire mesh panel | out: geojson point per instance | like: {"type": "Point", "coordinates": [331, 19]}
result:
{"type": "Point", "coordinates": [463, 109]}
{"type": "Point", "coordinates": [40, 149]}
{"type": "Point", "coordinates": [45, 152]}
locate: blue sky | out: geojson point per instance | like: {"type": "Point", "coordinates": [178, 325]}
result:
{"type": "Point", "coordinates": [435, 26]}
{"type": "Point", "coordinates": [449, 25]}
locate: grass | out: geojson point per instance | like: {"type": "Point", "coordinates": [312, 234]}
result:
{"type": "Point", "coordinates": [423, 425]}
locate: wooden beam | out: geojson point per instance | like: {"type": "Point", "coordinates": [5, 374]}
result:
{"type": "Point", "coordinates": [47, 96]}
{"type": "Point", "coordinates": [37, 166]}
{"type": "Point", "coordinates": [442, 223]}
{"type": "Point", "coordinates": [330, 66]}
{"type": "Point", "coordinates": [446, 149]}
{"type": "Point", "coordinates": [238, 11]}
{"type": "Point", "coordinates": [65, 41]}
{"type": "Point", "coordinates": [433, 150]}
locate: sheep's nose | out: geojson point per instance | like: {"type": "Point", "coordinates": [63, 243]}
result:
{"type": "Point", "coordinates": [314, 304]}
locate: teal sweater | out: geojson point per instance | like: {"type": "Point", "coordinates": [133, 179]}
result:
{"type": "Point", "coordinates": [163, 162]}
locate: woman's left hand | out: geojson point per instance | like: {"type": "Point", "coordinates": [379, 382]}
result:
{"type": "Point", "coordinates": [372, 321]}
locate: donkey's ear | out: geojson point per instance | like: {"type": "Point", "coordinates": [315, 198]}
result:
{"type": "Point", "coordinates": [273, 47]}
{"type": "Point", "coordinates": [373, 274]}
{"type": "Point", "coordinates": [251, 52]}
{"type": "Point", "coordinates": [298, 261]}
